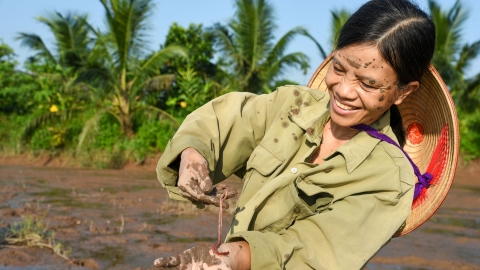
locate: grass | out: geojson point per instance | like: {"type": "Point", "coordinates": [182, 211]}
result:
{"type": "Point", "coordinates": [33, 232]}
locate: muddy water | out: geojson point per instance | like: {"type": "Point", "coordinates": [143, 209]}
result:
{"type": "Point", "coordinates": [122, 220]}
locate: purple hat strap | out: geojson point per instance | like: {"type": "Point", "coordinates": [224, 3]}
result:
{"type": "Point", "coordinates": [423, 179]}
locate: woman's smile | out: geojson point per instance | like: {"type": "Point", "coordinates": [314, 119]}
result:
{"type": "Point", "coordinates": [344, 107]}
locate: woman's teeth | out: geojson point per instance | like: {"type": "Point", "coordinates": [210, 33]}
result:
{"type": "Point", "coordinates": [344, 107]}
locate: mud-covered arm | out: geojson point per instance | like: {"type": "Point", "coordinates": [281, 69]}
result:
{"type": "Point", "coordinates": [346, 236]}
{"type": "Point", "coordinates": [225, 131]}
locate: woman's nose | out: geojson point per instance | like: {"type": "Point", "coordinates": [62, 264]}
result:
{"type": "Point", "coordinates": [346, 89]}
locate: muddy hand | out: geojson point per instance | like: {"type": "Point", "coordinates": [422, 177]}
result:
{"type": "Point", "coordinates": [194, 181]}
{"type": "Point", "coordinates": [201, 257]}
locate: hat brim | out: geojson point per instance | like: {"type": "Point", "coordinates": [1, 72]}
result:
{"type": "Point", "coordinates": [430, 109]}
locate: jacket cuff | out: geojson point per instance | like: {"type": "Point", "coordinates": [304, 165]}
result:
{"type": "Point", "coordinates": [167, 173]}
{"type": "Point", "coordinates": [263, 253]}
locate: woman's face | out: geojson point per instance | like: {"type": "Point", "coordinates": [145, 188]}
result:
{"type": "Point", "coordinates": [362, 86]}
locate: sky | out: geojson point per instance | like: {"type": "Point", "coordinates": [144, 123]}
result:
{"type": "Point", "coordinates": [314, 15]}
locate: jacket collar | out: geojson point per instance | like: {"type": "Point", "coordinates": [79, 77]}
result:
{"type": "Point", "coordinates": [312, 120]}
{"type": "Point", "coordinates": [361, 145]}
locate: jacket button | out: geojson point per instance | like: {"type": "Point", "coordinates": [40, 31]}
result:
{"type": "Point", "coordinates": [294, 170]}
{"type": "Point", "coordinates": [297, 210]}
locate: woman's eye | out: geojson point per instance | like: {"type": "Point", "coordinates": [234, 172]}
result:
{"type": "Point", "coordinates": [368, 86]}
{"type": "Point", "coordinates": [336, 69]}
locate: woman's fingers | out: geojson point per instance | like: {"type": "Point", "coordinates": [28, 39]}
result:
{"type": "Point", "coordinates": [221, 188]}
{"type": "Point", "coordinates": [200, 257]}
{"type": "Point", "coordinates": [200, 197]}
{"type": "Point", "coordinates": [168, 262]}
{"type": "Point", "coordinates": [213, 198]}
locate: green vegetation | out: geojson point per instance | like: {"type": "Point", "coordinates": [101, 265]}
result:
{"type": "Point", "coordinates": [100, 98]}
{"type": "Point", "coordinates": [452, 59]}
{"type": "Point", "coordinates": [33, 232]}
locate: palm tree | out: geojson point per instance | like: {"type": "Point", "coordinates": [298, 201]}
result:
{"type": "Point", "coordinates": [124, 71]}
{"type": "Point", "coordinates": [56, 70]}
{"type": "Point", "coordinates": [115, 72]}
{"type": "Point", "coordinates": [252, 61]}
{"type": "Point", "coordinates": [452, 59]}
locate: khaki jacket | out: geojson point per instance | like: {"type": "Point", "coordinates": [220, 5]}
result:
{"type": "Point", "coordinates": [294, 214]}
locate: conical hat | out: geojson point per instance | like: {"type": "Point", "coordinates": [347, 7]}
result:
{"type": "Point", "coordinates": [429, 117]}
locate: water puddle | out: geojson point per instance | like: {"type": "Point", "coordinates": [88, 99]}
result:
{"type": "Point", "coordinates": [458, 222]}
{"type": "Point", "coordinates": [114, 255]}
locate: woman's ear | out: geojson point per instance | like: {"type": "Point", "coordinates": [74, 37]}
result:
{"type": "Point", "coordinates": [407, 90]}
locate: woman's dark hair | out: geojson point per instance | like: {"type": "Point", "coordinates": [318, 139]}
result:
{"type": "Point", "coordinates": [404, 36]}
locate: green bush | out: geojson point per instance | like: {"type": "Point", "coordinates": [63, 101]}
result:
{"type": "Point", "coordinates": [469, 134]}
{"type": "Point", "coordinates": [11, 127]}
{"type": "Point", "coordinates": [151, 137]}
{"type": "Point", "coordinates": [108, 134]}
{"type": "Point", "coordinates": [41, 140]}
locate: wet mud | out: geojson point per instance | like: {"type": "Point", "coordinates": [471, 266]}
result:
{"type": "Point", "coordinates": [122, 219]}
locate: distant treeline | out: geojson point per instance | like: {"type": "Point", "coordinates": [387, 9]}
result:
{"type": "Point", "coordinates": [99, 96]}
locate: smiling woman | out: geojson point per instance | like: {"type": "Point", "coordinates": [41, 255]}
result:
{"type": "Point", "coordinates": [326, 184]}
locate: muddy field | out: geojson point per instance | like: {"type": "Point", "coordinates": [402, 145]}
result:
{"type": "Point", "coordinates": [122, 219]}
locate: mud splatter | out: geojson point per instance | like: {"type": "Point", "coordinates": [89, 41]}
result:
{"type": "Point", "coordinates": [372, 81]}
{"type": "Point", "coordinates": [295, 111]}
{"type": "Point", "coordinates": [285, 124]}
{"type": "Point", "coordinates": [201, 168]}
{"type": "Point", "coordinates": [275, 140]}
{"type": "Point", "coordinates": [299, 102]}
{"type": "Point", "coordinates": [381, 98]}
{"type": "Point", "coordinates": [310, 131]}
{"type": "Point", "coordinates": [294, 136]}
{"type": "Point", "coordinates": [196, 254]}
{"type": "Point", "coordinates": [353, 63]}
{"type": "Point", "coordinates": [306, 104]}
{"type": "Point", "coordinates": [296, 93]}
{"type": "Point", "coordinates": [380, 108]}
{"type": "Point", "coordinates": [382, 90]}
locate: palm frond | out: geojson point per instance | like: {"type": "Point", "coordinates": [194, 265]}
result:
{"type": "Point", "coordinates": [279, 49]}
{"type": "Point", "coordinates": [90, 125]}
{"type": "Point", "coordinates": [468, 53]}
{"type": "Point", "coordinates": [161, 57]}
{"type": "Point", "coordinates": [226, 44]}
{"type": "Point", "coordinates": [127, 24]}
{"type": "Point", "coordinates": [71, 36]}
{"type": "Point", "coordinates": [449, 26]}
{"type": "Point", "coordinates": [164, 113]}
{"type": "Point", "coordinates": [36, 43]}
{"type": "Point", "coordinates": [253, 30]}
{"type": "Point", "coordinates": [292, 60]}
{"type": "Point", "coordinates": [339, 18]}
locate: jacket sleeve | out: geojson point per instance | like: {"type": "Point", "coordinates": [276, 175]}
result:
{"type": "Point", "coordinates": [225, 131]}
{"type": "Point", "coordinates": [345, 236]}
